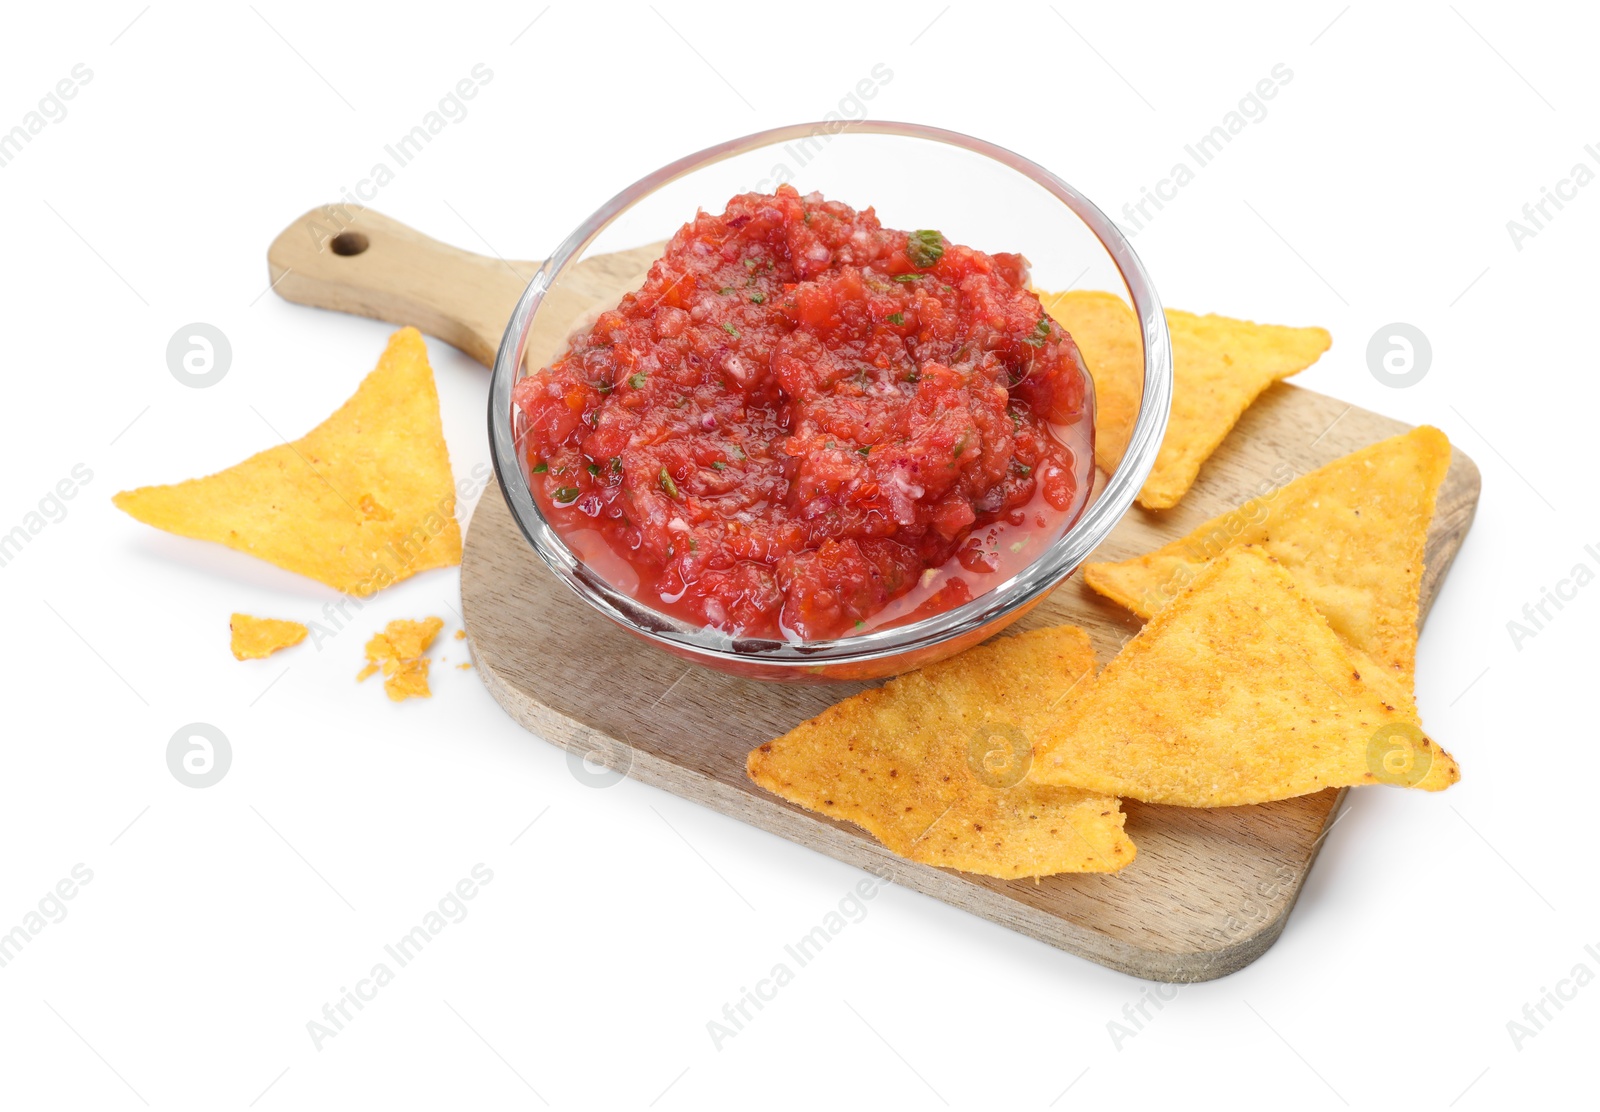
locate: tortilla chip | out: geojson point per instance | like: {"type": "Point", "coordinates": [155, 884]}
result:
{"type": "Point", "coordinates": [398, 652]}
{"type": "Point", "coordinates": [363, 500]}
{"type": "Point", "coordinates": [1107, 335]}
{"type": "Point", "coordinates": [1219, 366]}
{"type": "Point", "coordinates": [1351, 533]}
{"type": "Point", "coordinates": [932, 764]}
{"type": "Point", "coordinates": [254, 638]}
{"type": "Point", "coordinates": [1238, 692]}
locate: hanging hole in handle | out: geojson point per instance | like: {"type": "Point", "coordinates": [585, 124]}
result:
{"type": "Point", "coordinates": [348, 243]}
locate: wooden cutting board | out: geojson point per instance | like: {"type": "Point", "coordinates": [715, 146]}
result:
{"type": "Point", "coordinates": [1210, 891]}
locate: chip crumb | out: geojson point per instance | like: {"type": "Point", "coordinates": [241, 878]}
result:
{"type": "Point", "coordinates": [461, 635]}
{"type": "Point", "coordinates": [254, 638]}
{"type": "Point", "coordinates": [398, 652]}
{"type": "Point", "coordinates": [410, 679]}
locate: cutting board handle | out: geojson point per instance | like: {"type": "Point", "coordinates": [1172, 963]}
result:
{"type": "Point", "coordinates": [354, 260]}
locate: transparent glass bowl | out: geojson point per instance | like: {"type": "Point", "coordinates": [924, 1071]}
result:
{"type": "Point", "coordinates": [915, 177]}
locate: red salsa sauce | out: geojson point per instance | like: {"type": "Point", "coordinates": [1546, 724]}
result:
{"type": "Point", "coordinates": [806, 425]}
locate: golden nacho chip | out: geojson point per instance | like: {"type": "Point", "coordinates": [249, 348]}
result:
{"type": "Point", "coordinates": [398, 652]}
{"type": "Point", "coordinates": [254, 638]}
{"type": "Point", "coordinates": [1219, 366]}
{"type": "Point", "coordinates": [1238, 692]}
{"type": "Point", "coordinates": [1351, 533]}
{"type": "Point", "coordinates": [1107, 335]}
{"type": "Point", "coordinates": [932, 763]}
{"type": "Point", "coordinates": [361, 501]}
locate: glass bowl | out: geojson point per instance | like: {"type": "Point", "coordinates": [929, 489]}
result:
{"type": "Point", "coordinates": [915, 177]}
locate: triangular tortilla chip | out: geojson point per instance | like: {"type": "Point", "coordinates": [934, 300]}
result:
{"type": "Point", "coordinates": [254, 638]}
{"type": "Point", "coordinates": [932, 764]}
{"type": "Point", "coordinates": [1219, 366]}
{"type": "Point", "coordinates": [361, 501]}
{"type": "Point", "coordinates": [1352, 534]}
{"type": "Point", "coordinates": [1238, 692]}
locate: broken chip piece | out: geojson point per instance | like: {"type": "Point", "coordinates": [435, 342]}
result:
{"type": "Point", "coordinates": [363, 500]}
{"type": "Point", "coordinates": [408, 679]}
{"type": "Point", "coordinates": [1351, 533]}
{"type": "Point", "coordinates": [1219, 366]}
{"type": "Point", "coordinates": [932, 764]}
{"type": "Point", "coordinates": [398, 652]}
{"type": "Point", "coordinates": [1238, 691]}
{"type": "Point", "coordinates": [254, 638]}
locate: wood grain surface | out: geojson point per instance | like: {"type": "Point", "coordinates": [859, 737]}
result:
{"type": "Point", "coordinates": [1210, 890]}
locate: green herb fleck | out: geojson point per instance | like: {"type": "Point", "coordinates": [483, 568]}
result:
{"type": "Point", "coordinates": [637, 380]}
{"type": "Point", "coordinates": [566, 494]}
{"type": "Point", "coordinates": [961, 446]}
{"type": "Point", "coordinates": [897, 318]}
{"type": "Point", "coordinates": [913, 376]}
{"type": "Point", "coordinates": [906, 277]}
{"type": "Point", "coordinates": [1041, 333]}
{"type": "Point", "coordinates": [758, 297]}
{"type": "Point", "coordinates": [924, 248]}
{"type": "Point", "coordinates": [865, 451]}
{"type": "Point", "coordinates": [541, 467]}
{"type": "Point", "coordinates": [860, 623]}
{"type": "Point", "coordinates": [668, 485]}
{"type": "Point", "coordinates": [616, 464]}
{"type": "Point", "coordinates": [725, 290]}
{"type": "Point", "coordinates": [594, 469]}
{"type": "Point", "coordinates": [1024, 470]}
{"type": "Point", "coordinates": [727, 326]}
{"type": "Point", "coordinates": [739, 453]}
{"type": "Point", "coordinates": [719, 465]}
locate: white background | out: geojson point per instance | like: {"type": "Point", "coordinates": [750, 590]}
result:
{"type": "Point", "coordinates": [221, 920]}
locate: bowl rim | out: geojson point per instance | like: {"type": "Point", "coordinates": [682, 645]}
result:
{"type": "Point", "coordinates": [1050, 568]}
